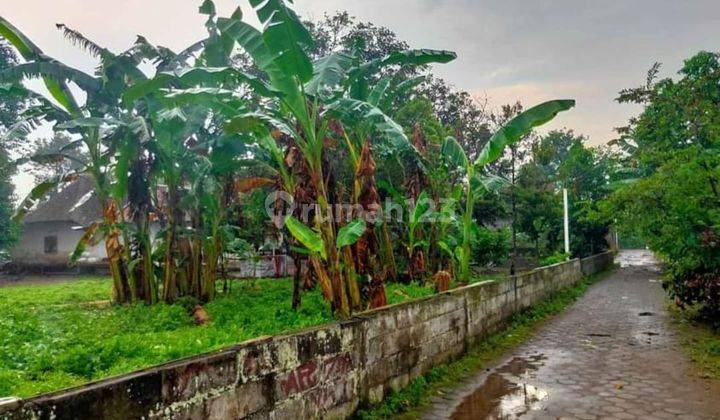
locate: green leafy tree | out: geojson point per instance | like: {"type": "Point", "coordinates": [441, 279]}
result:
{"type": "Point", "coordinates": [560, 159]}
{"type": "Point", "coordinates": [539, 209]}
{"type": "Point", "coordinates": [474, 180]}
{"type": "Point", "coordinates": [673, 148]}
{"type": "Point", "coordinates": [461, 113]}
{"type": "Point", "coordinates": [10, 108]}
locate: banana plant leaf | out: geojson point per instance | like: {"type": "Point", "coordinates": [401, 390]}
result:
{"type": "Point", "coordinates": [40, 191]}
{"type": "Point", "coordinates": [29, 51]}
{"type": "Point", "coordinates": [454, 154]}
{"type": "Point", "coordinates": [350, 233]}
{"type": "Point", "coordinates": [286, 37]}
{"type": "Point", "coordinates": [306, 236]}
{"type": "Point", "coordinates": [519, 127]}
{"type": "Point", "coordinates": [329, 73]}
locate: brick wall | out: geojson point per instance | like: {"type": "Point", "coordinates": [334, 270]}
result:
{"type": "Point", "coordinates": [327, 371]}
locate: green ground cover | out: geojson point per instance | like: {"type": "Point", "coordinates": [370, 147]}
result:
{"type": "Point", "coordinates": [51, 337]}
{"type": "Point", "coordinates": [700, 340]}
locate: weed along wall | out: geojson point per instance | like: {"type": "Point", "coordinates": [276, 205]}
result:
{"type": "Point", "coordinates": [326, 371]}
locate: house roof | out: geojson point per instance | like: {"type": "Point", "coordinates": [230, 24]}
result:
{"type": "Point", "coordinates": [75, 202]}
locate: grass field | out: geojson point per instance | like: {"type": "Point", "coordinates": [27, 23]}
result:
{"type": "Point", "coordinates": [51, 338]}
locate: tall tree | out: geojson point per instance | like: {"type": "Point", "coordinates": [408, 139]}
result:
{"type": "Point", "coordinates": [10, 108]}
{"type": "Point", "coordinates": [456, 109]}
{"type": "Point", "coordinates": [673, 146]}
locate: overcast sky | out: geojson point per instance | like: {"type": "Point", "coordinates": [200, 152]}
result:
{"type": "Point", "coordinates": [507, 50]}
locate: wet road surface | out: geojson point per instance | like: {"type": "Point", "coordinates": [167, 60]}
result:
{"type": "Point", "coordinates": [612, 354]}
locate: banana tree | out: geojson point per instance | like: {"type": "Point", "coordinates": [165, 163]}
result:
{"type": "Point", "coordinates": [361, 111]}
{"type": "Point", "coordinates": [448, 223]}
{"type": "Point", "coordinates": [315, 246]}
{"type": "Point", "coordinates": [279, 53]}
{"type": "Point", "coordinates": [301, 110]}
{"type": "Point", "coordinates": [472, 173]}
{"type": "Point", "coordinates": [130, 143]}
{"type": "Point", "coordinates": [89, 122]}
{"type": "Point", "coordinates": [195, 163]}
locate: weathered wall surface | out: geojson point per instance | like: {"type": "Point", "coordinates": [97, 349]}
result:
{"type": "Point", "coordinates": [30, 249]}
{"type": "Point", "coordinates": [597, 262]}
{"type": "Point", "coordinates": [326, 371]}
{"type": "Point", "coordinates": [267, 266]}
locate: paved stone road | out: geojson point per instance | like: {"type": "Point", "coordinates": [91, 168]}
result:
{"type": "Point", "coordinates": [610, 355]}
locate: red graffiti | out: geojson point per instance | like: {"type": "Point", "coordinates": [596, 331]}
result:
{"type": "Point", "coordinates": [336, 366]}
{"type": "Point", "coordinates": [308, 375]}
{"type": "Point", "coordinates": [322, 398]}
{"type": "Point", "coordinates": [300, 379]}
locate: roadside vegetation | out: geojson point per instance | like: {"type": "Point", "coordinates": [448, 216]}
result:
{"type": "Point", "coordinates": [410, 402]}
{"type": "Point", "coordinates": [272, 108]}
{"type": "Point", "coordinates": [700, 341]}
{"type": "Point", "coordinates": [672, 194]}
{"type": "Point", "coordinates": [184, 149]}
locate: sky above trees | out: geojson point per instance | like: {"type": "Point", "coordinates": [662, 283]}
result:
{"type": "Point", "coordinates": [507, 50]}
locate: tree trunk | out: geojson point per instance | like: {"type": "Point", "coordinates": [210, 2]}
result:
{"type": "Point", "coordinates": [297, 278]}
{"type": "Point", "coordinates": [169, 276]}
{"type": "Point", "coordinates": [113, 248]}
{"type": "Point", "coordinates": [388, 255]}
{"type": "Point", "coordinates": [367, 248]}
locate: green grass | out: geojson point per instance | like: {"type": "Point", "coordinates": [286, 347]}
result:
{"type": "Point", "coordinates": [50, 340]}
{"type": "Point", "coordinates": [410, 402]}
{"type": "Point", "coordinates": [700, 341]}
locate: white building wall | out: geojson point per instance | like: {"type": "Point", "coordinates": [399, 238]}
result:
{"type": "Point", "coordinates": [30, 249]}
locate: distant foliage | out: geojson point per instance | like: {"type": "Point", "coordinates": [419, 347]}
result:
{"type": "Point", "coordinates": [561, 159]}
{"type": "Point", "coordinates": [491, 246]}
{"type": "Point", "coordinates": [10, 107]}
{"type": "Point", "coordinates": [674, 206]}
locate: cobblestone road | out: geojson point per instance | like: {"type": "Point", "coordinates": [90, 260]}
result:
{"type": "Point", "coordinates": [610, 355]}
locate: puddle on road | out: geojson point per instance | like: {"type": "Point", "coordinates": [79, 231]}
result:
{"type": "Point", "coordinates": [504, 394]}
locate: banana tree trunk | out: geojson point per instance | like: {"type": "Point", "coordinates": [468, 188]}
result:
{"type": "Point", "coordinates": [149, 285]}
{"type": "Point", "coordinates": [210, 256]}
{"type": "Point", "coordinates": [169, 274]}
{"type": "Point", "coordinates": [388, 256]}
{"type": "Point", "coordinates": [323, 278]}
{"type": "Point", "coordinates": [113, 248]}
{"type": "Point", "coordinates": [367, 247]}
{"type": "Point", "coordinates": [351, 278]}
{"type": "Point", "coordinates": [324, 221]}
{"type": "Point", "coordinates": [297, 277]}
{"type": "Point", "coordinates": [142, 273]}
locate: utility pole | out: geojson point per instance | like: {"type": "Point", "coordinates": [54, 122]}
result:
{"type": "Point", "coordinates": [567, 221]}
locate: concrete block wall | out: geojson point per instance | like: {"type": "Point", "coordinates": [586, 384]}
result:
{"type": "Point", "coordinates": [322, 372]}
{"type": "Point", "coordinates": [597, 262]}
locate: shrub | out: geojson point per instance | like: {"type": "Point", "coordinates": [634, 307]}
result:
{"type": "Point", "coordinates": [491, 246]}
{"type": "Point", "coordinates": [555, 258]}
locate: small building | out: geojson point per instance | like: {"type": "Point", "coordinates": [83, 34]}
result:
{"type": "Point", "coordinates": [51, 231]}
